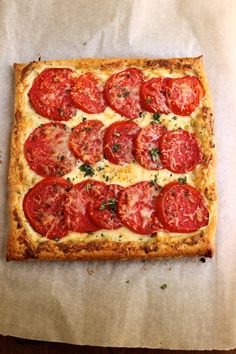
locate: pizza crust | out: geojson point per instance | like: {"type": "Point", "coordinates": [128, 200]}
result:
{"type": "Point", "coordinates": [24, 243]}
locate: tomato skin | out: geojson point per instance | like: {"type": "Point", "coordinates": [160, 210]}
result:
{"type": "Point", "coordinates": [87, 94]}
{"type": "Point", "coordinates": [181, 208]}
{"type": "Point", "coordinates": [153, 95]}
{"type": "Point", "coordinates": [179, 151]}
{"type": "Point", "coordinates": [46, 150]}
{"type": "Point", "coordinates": [50, 94]}
{"type": "Point", "coordinates": [44, 207]}
{"type": "Point", "coordinates": [78, 200]}
{"type": "Point", "coordinates": [86, 141]}
{"type": "Point", "coordinates": [118, 146]}
{"type": "Point", "coordinates": [137, 207]}
{"type": "Point", "coordinates": [147, 146]}
{"type": "Point", "coordinates": [103, 208]}
{"type": "Point", "coordinates": [184, 94]}
{"type": "Point", "coordinates": [121, 92]}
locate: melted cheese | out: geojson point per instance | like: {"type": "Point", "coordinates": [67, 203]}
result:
{"type": "Point", "coordinates": [104, 170]}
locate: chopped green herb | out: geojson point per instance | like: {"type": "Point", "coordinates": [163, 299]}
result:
{"type": "Point", "coordinates": [174, 118]}
{"type": "Point", "coordinates": [84, 118]}
{"type": "Point", "coordinates": [56, 239]}
{"type": "Point", "coordinates": [171, 175]}
{"type": "Point", "coordinates": [68, 179]}
{"type": "Point", "coordinates": [107, 178]}
{"type": "Point", "coordinates": [88, 170]}
{"type": "Point", "coordinates": [186, 126]}
{"type": "Point", "coordinates": [111, 203]}
{"type": "Point", "coordinates": [182, 180]}
{"type": "Point", "coordinates": [90, 233]}
{"type": "Point", "coordinates": [103, 206]}
{"type": "Point", "coordinates": [156, 116]}
{"type": "Point", "coordinates": [154, 153]}
{"type": "Point", "coordinates": [163, 286]}
{"type": "Point", "coordinates": [62, 157]}
{"type": "Point", "coordinates": [155, 181]}
{"type": "Point", "coordinates": [125, 94]}
{"type": "Point", "coordinates": [100, 168]}
{"type": "Point", "coordinates": [115, 147]}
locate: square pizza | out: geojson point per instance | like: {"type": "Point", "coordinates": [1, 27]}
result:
{"type": "Point", "coordinates": [112, 159]}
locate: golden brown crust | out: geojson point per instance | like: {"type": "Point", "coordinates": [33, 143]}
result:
{"type": "Point", "coordinates": [23, 245]}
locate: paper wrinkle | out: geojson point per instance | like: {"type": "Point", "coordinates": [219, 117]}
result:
{"type": "Point", "coordinates": [122, 303]}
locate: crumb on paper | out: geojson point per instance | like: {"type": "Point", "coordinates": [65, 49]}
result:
{"type": "Point", "coordinates": [127, 281]}
{"type": "Point", "coordinates": [90, 271]}
{"type": "Point", "coordinates": [163, 286]}
{"type": "Point", "coordinates": [1, 161]}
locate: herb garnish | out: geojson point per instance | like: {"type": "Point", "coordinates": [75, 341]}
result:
{"type": "Point", "coordinates": [115, 147]}
{"type": "Point", "coordinates": [182, 180]}
{"type": "Point", "coordinates": [88, 170]}
{"type": "Point", "coordinates": [84, 119]}
{"type": "Point", "coordinates": [163, 286]}
{"type": "Point", "coordinates": [154, 153]}
{"type": "Point", "coordinates": [56, 239]}
{"type": "Point", "coordinates": [154, 181]}
{"type": "Point", "coordinates": [174, 118]}
{"type": "Point", "coordinates": [155, 118]}
{"type": "Point", "coordinates": [111, 203]}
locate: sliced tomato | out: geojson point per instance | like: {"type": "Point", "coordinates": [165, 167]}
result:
{"type": "Point", "coordinates": [147, 146]}
{"type": "Point", "coordinates": [77, 204]}
{"type": "Point", "coordinates": [50, 94]}
{"type": "Point", "coordinates": [137, 207]}
{"type": "Point", "coordinates": [181, 208]}
{"type": "Point", "coordinates": [86, 141]}
{"type": "Point", "coordinates": [121, 92]}
{"type": "Point", "coordinates": [184, 94]}
{"type": "Point", "coordinates": [118, 146]}
{"type": "Point", "coordinates": [103, 208]}
{"type": "Point", "coordinates": [87, 94]}
{"type": "Point", "coordinates": [153, 95]}
{"type": "Point", "coordinates": [179, 151]}
{"type": "Point", "coordinates": [44, 207]}
{"type": "Point", "coordinates": [47, 151]}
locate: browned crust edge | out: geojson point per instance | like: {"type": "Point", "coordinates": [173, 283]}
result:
{"type": "Point", "coordinates": [21, 247]}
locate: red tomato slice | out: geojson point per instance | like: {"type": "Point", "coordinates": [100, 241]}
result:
{"type": "Point", "coordinates": [118, 146]}
{"type": "Point", "coordinates": [86, 141]}
{"type": "Point", "coordinates": [47, 151]}
{"type": "Point", "coordinates": [180, 152]}
{"type": "Point", "coordinates": [50, 94]}
{"type": "Point", "coordinates": [103, 208]}
{"type": "Point", "coordinates": [181, 208]}
{"type": "Point", "coordinates": [184, 94]}
{"type": "Point", "coordinates": [121, 92]}
{"type": "Point", "coordinates": [147, 146]}
{"type": "Point", "coordinates": [87, 94]}
{"type": "Point", "coordinates": [77, 204]}
{"type": "Point", "coordinates": [44, 207]}
{"type": "Point", "coordinates": [137, 207]}
{"type": "Point", "coordinates": [153, 95]}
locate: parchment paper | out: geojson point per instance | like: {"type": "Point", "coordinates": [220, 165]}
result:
{"type": "Point", "coordinates": [122, 304]}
